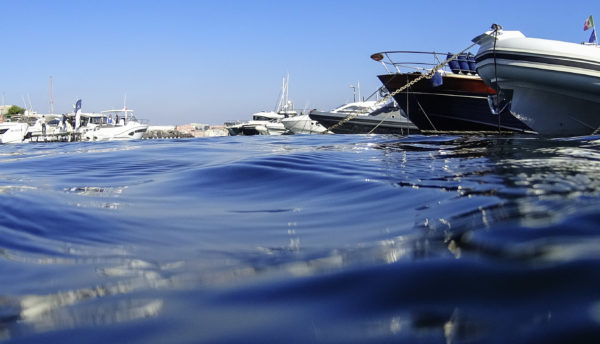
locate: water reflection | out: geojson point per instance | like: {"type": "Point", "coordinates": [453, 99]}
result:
{"type": "Point", "coordinates": [105, 304]}
{"type": "Point", "coordinates": [68, 310]}
{"type": "Point", "coordinates": [519, 177]}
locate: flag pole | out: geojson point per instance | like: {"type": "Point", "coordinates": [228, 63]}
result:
{"type": "Point", "coordinates": [590, 20]}
{"type": "Point", "coordinates": [594, 31]}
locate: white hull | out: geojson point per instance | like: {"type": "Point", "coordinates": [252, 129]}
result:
{"type": "Point", "coordinates": [13, 132]}
{"type": "Point", "coordinates": [113, 125]}
{"type": "Point", "coordinates": [555, 85]}
{"type": "Point", "coordinates": [275, 128]}
{"type": "Point", "coordinates": [254, 128]}
{"type": "Point", "coordinates": [131, 131]}
{"type": "Point", "coordinates": [302, 124]}
{"type": "Point", "coordinates": [261, 129]}
{"type": "Point", "coordinates": [257, 127]}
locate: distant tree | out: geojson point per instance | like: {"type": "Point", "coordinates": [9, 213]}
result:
{"type": "Point", "coordinates": [14, 110]}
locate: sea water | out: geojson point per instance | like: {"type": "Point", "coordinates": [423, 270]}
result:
{"type": "Point", "coordinates": [301, 239]}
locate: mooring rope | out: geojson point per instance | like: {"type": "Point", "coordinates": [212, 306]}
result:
{"type": "Point", "coordinates": [409, 84]}
{"type": "Point", "coordinates": [496, 86]}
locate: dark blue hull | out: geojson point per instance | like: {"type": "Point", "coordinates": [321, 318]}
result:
{"type": "Point", "coordinates": [460, 104]}
{"type": "Point", "coordinates": [378, 124]}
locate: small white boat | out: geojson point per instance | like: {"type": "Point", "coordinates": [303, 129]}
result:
{"type": "Point", "coordinates": [302, 124]}
{"type": "Point", "coordinates": [267, 122]}
{"type": "Point", "coordinates": [262, 123]}
{"type": "Point", "coordinates": [13, 132]}
{"type": "Point", "coordinates": [32, 126]}
{"type": "Point", "coordinates": [48, 125]}
{"type": "Point", "coordinates": [553, 86]}
{"type": "Point", "coordinates": [112, 125]}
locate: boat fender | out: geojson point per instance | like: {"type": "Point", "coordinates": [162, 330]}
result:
{"type": "Point", "coordinates": [436, 80]}
{"type": "Point", "coordinates": [383, 92]}
{"type": "Point", "coordinates": [454, 65]}
{"type": "Point", "coordinates": [464, 65]}
{"type": "Point", "coordinates": [471, 61]}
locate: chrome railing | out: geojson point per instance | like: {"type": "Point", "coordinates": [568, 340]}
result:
{"type": "Point", "coordinates": [406, 61]}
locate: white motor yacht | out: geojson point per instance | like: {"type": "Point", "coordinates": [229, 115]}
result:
{"type": "Point", "coordinates": [48, 125]}
{"type": "Point", "coordinates": [13, 132]}
{"type": "Point", "coordinates": [302, 124]}
{"type": "Point", "coordinates": [553, 86]}
{"type": "Point", "coordinates": [267, 122]}
{"type": "Point", "coordinates": [264, 123]}
{"type": "Point", "coordinates": [112, 125]}
{"type": "Point", "coordinates": [32, 126]}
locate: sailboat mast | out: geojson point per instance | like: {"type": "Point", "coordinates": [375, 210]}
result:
{"type": "Point", "coordinates": [30, 104]}
{"type": "Point", "coordinates": [287, 83]}
{"type": "Point", "coordinates": [281, 96]}
{"type": "Point", "coordinates": [51, 97]}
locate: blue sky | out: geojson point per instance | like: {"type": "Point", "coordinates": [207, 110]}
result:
{"type": "Point", "coordinates": [212, 61]}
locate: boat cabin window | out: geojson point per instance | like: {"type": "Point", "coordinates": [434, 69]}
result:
{"type": "Point", "coordinates": [355, 108]}
{"type": "Point", "coordinates": [96, 120]}
{"type": "Point", "coordinates": [261, 118]}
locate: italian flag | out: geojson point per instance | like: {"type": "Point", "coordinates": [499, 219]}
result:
{"type": "Point", "coordinates": [588, 23]}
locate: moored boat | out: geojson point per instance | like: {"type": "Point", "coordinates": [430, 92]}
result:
{"type": "Point", "coordinates": [266, 122]}
{"type": "Point", "coordinates": [303, 124]}
{"type": "Point", "coordinates": [263, 123]}
{"type": "Point", "coordinates": [456, 99]}
{"type": "Point", "coordinates": [553, 86]}
{"type": "Point", "coordinates": [13, 132]}
{"type": "Point", "coordinates": [365, 117]}
{"type": "Point", "coordinates": [112, 125]}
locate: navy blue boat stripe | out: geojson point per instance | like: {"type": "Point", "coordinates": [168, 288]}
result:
{"type": "Point", "coordinates": [540, 59]}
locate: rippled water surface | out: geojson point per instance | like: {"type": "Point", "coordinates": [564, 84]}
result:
{"type": "Point", "coordinates": [301, 239]}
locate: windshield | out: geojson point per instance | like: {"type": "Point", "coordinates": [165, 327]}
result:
{"type": "Point", "coordinates": [354, 108]}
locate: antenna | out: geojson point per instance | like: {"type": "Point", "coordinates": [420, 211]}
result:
{"type": "Point", "coordinates": [30, 105]}
{"type": "Point", "coordinates": [51, 97]}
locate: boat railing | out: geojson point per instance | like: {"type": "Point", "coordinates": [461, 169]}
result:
{"type": "Point", "coordinates": [109, 122]}
{"type": "Point", "coordinates": [403, 61]}
{"type": "Point", "coordinates": [123, 121]}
